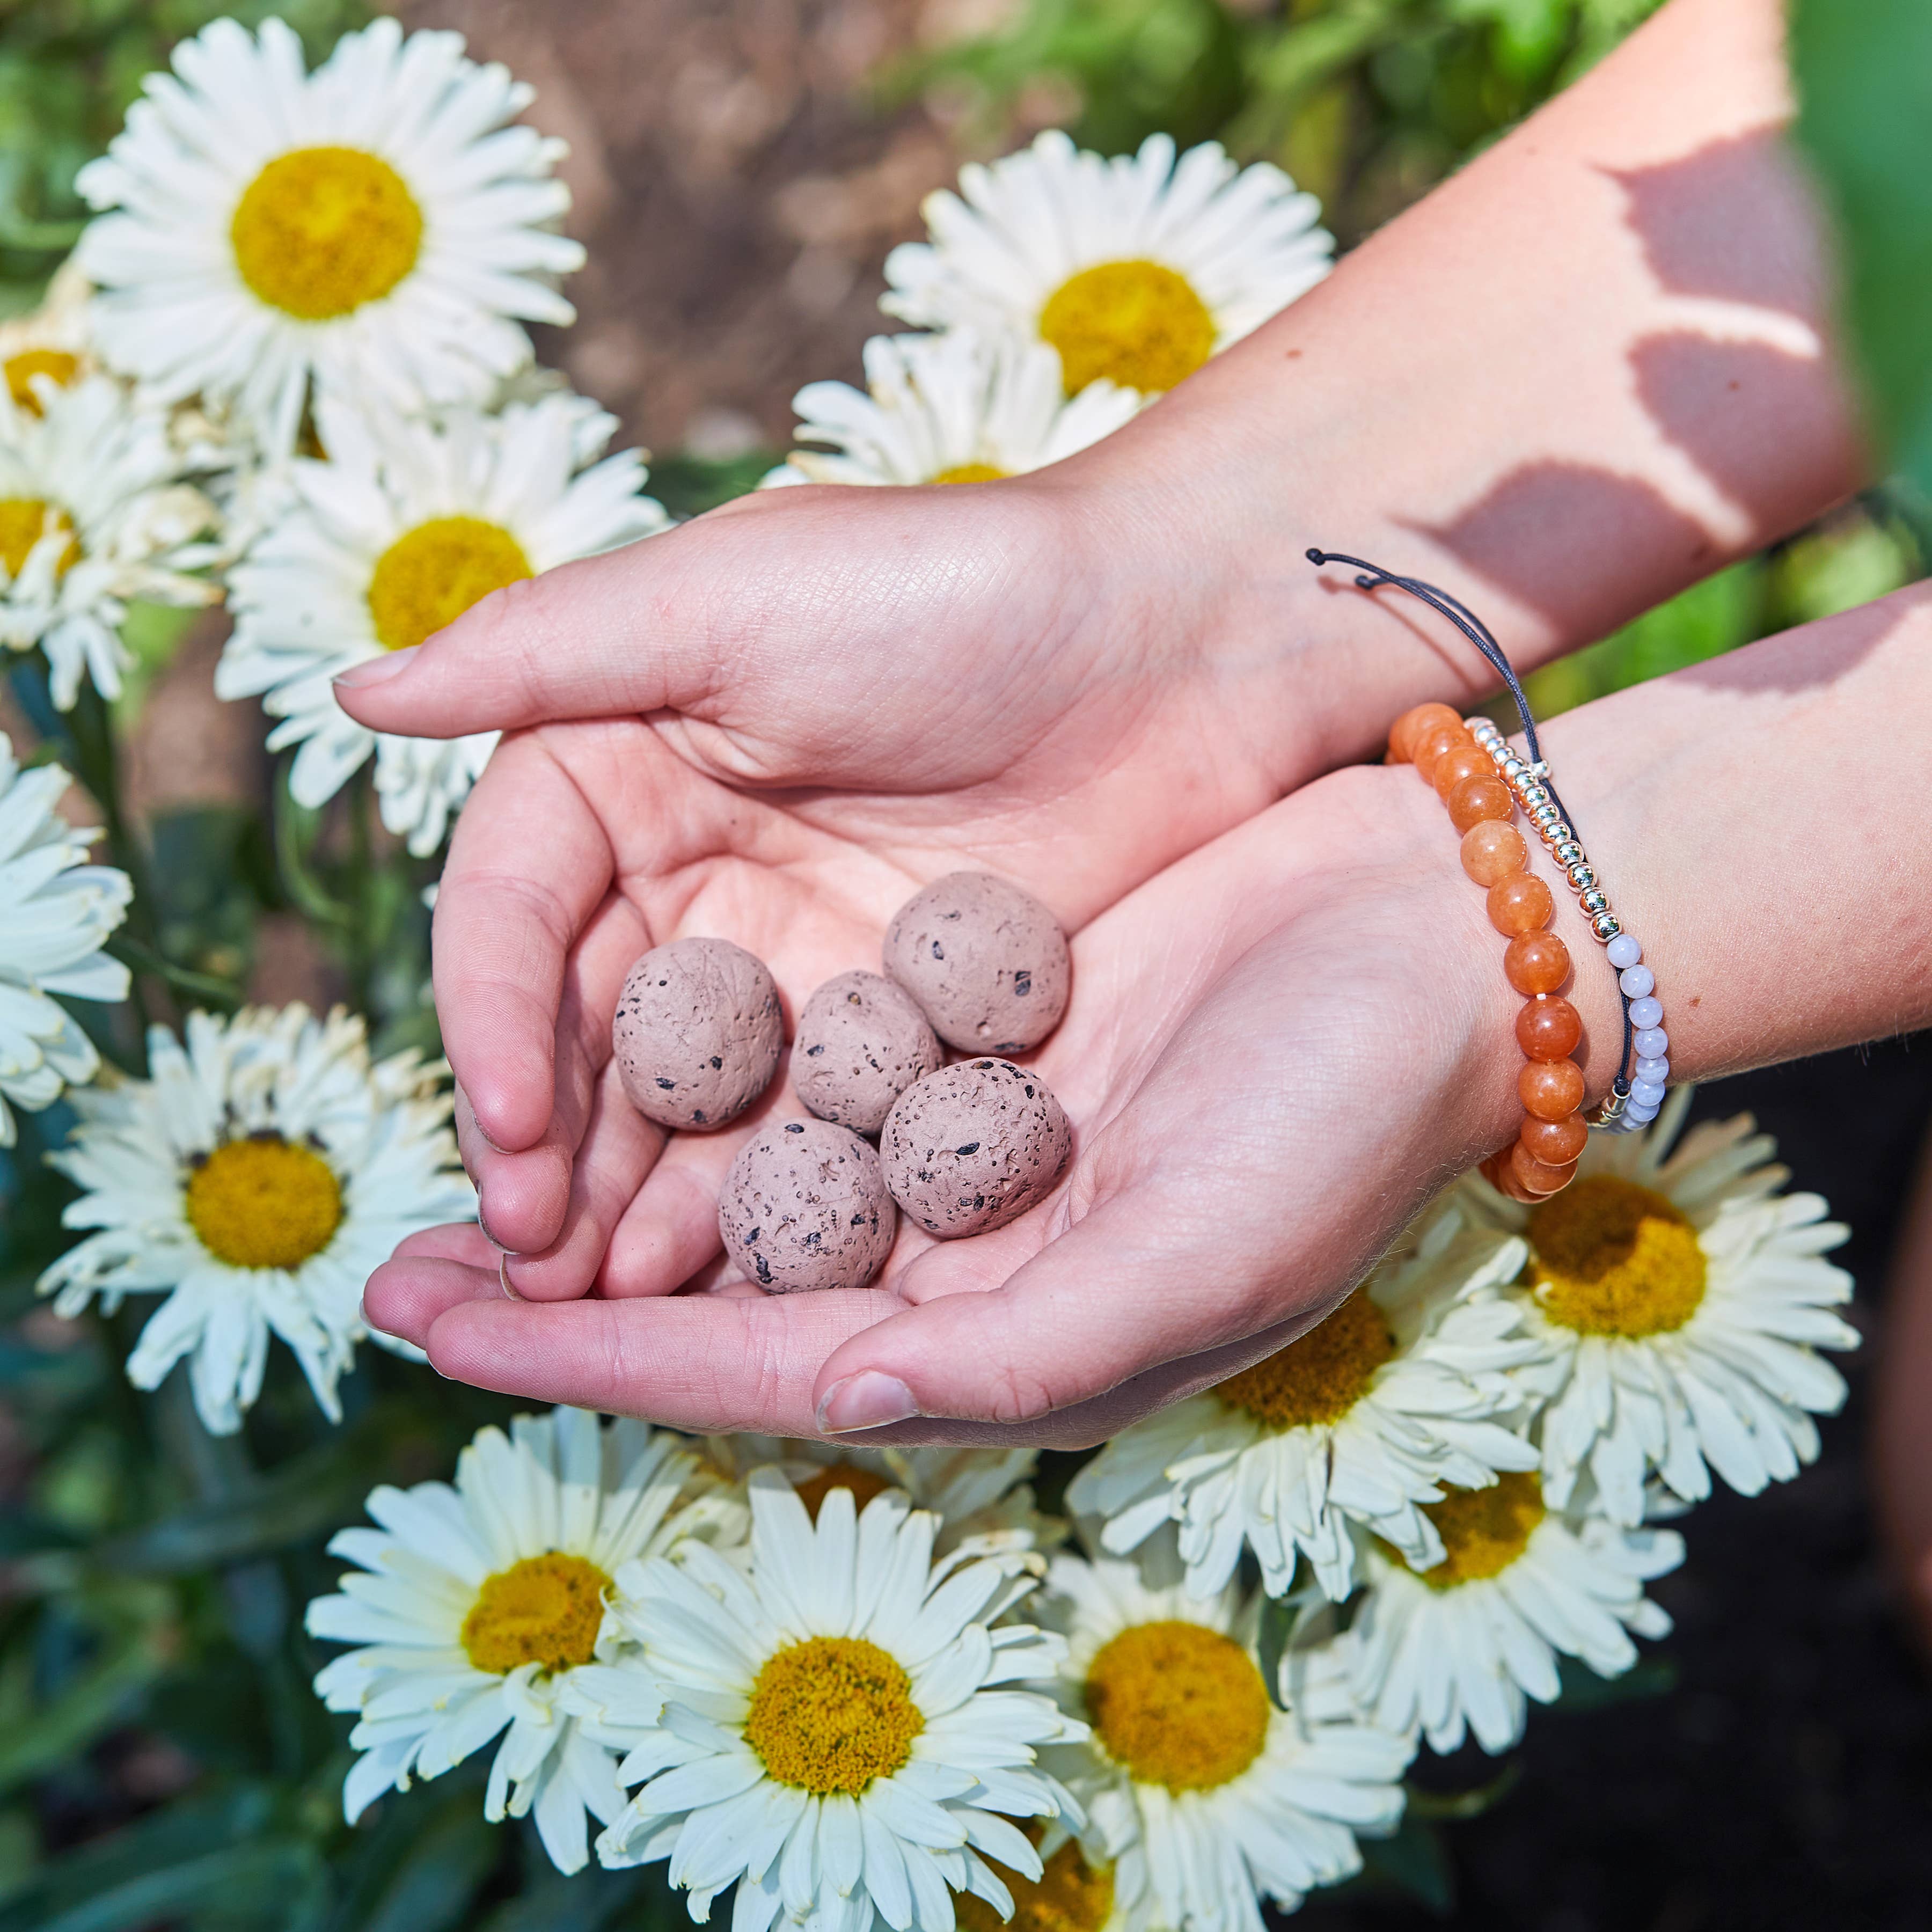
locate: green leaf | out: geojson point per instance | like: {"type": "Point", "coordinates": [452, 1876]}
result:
{"type": "Point", "coordinates": [97, 1699]}
{"type": "Point", "coordinates": [446, 1857]}
{"type": "Point", "coordinates": [305, 1497]}
{"type": "Point", "coordinates": [1415, 1862]}
{"type": "Point", "coordinates": [1277, 1625]}
{"type": "Point", "coordinates": [589, 1901]}
{"type": "Point", "coordinates": [1443, 1806]}
{"type": "Point", "coordinates": [273, 1883]}
{"type": "Point", "coordinates": [1864, 70]}
{"type": "Point", "coordinates": [1583, 1689]}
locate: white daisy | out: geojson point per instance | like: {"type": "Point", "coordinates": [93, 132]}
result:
{"type": "Point", "coordinates": [956, 408]}
{"type": "Point", "coordinates": [1200, 1792]}
{"type": "Point", "coordinates": [1462, 1644]}
{"type": "Point", "coordinates": [1678, 1301]}
{"type": "Point", "coordinates": [53, 343]}
{"type": "Point", "coordinates": [92, 513]}
{"type": "Point", "coordinates": [476, 1604]}
{"type": "Point", "coordinates": [837, 1737]}
{"type": "Point", "coordinates": [1404, 1387]}
{"type": "Point", "coordinates": [259, 1175]}
{"type": "Point", "coordinates": [1137, 269]}
{"type": "Point", "coordinates": [60, 911]}
{"type": "Point", "coordinates": [983, 1498]}
{"type": "Point", "coordinates": [377, 225]}
{"type": "Point", "coordinates": [408, 524]}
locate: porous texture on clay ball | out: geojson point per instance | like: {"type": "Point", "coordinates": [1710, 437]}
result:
{"type": "Point", "coordinates": [862, 1042]}
{"type": "Point", "coordinates": [986, 961]}
{"type": "Point", "coordinates": [698, 1033]}
{"type": "Point", "coordinates": [973, 1147]}
{"type": "Point", "coordinates": [806, 1206]}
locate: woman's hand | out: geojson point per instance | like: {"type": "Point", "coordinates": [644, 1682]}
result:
{"type": "Point", "coordinates": [1271, 1058]}
{"type": "Point", "coordinates": [825, 698]}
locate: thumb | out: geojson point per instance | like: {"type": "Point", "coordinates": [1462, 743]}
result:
{"type": "Point", "coordinates": [611, 635]}
{"type": "Point", "coordinates": [1133, 1287]}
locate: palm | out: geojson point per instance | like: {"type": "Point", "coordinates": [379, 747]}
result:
{"type": "Point", "coordinates": [1229, 1180]}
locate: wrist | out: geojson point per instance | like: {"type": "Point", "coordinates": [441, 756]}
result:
{"type": "Point", "coordinates": [1448, 993]}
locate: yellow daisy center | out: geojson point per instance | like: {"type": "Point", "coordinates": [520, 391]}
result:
{"type": "Point", "coordinates": [972, 472]}
{"type": "Point", "coordinates": [1070, 1895]}
{"type": "Point", "coordinates": [544, 1609]}
{"type": "Point", "coordinates": [320, 231]}
{"type": "Point", "coordinates": [1484, 1531]}
{"type": "Point", "coordinates": [831, 1713]}
{"type": "Point", "coordinates": [1178, 1705]}
{"type": "Point", "coordinates": [264, 1203]}
{"type": "Point", "coordinates": [1611, 1257]}
{"type": "Point", "coordinates": [23, 522]}
{"type": "Point", "coordinates": [1319, 1376]}
{"type": "Point", "coordinates": [433, 574]}
{"type": "Point", "coordinates": [864, 1484]}
{"type": "Point", "coordinates": [1138, 322]}
{"type": "Point", "coordinates": [22, 368]}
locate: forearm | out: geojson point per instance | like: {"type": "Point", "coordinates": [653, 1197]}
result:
{"type": "Point", "coordinates": [1590, 369]}
{"type": "Point", "coordinates": [1760, 824]}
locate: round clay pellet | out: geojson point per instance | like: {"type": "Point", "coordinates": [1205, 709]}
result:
{"type": "Point", "coordinates": [806, 1206]}
{"type": "Point", "coordinates": [974, 1146]}
{"type": "Point", "coordinates": [698, 1033]}
{"type": "Point", "coordinates": [986, 961]}
{"type": "Point", "coordinates": [862, 1042]}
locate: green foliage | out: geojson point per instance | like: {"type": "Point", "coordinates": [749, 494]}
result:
{"type": "Point", "coordinates": [1368, 103]}
{"type": "Point", "coordinates": [68, 68]}
{"type": "Point", "coordinates": [1849, 558]}
{"type": "Point", "coordinates": [1864, 78]}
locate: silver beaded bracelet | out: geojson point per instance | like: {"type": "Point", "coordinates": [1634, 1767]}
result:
{"type": "Point", "coordinates": [1638, 1091]}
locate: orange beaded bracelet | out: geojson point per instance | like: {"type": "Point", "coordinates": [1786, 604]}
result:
{"type": "Point", "coordinates": [1543, 1157]}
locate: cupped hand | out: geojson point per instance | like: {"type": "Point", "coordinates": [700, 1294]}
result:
{"type": "Point", "coordinates": [824, 697]}
{"type": "Point", "coordinates": [1275, 1050]}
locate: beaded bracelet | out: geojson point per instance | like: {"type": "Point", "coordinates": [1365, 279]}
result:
{"type": "Point", "coordinates": [1542, 1159]}
{"type": "Point", "coordinates": [1466, 760]}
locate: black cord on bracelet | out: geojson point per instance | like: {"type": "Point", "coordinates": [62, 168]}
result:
{"type": "Point", "coordinates": [1372, 577]}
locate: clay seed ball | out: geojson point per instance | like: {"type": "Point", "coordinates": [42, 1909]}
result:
{"type": "Point", "coordinates": [861, 1043]}
{"type": "Point", "coordinates": [806, 1206]}
{"type": "Point", "coordinates": [973, 1146]}
{"type": "Point", "coordinates": [698, 1033]}
{"type": "Point", "coordinates": [986, 961]}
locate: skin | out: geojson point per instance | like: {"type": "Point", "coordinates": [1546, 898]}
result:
{"type": "Point", "coordinates": [776, 721]}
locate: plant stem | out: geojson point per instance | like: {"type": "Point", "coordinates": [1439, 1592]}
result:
{"type": "Point", "coordinates": [310, 896]}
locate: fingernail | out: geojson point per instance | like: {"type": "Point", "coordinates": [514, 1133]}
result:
{"type": "Point", "coordinates": [867, 1400]}
{"type": "Point", "coordinates": [375, 670]}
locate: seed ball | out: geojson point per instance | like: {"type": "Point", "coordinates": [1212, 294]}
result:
{"type": "Point", "coordinates": [861, 1043]}
{"type": "Point", "coordinates": [986, 961]}
{"type": "Point", "coordinates": [806, 1206]}
{"type": "Point", "coordinates": [973, 1146]}
{"type": "Point", "coordinates": [698, 1033]}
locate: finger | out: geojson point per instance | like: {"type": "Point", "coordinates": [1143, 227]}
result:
{"type": "Point", "coordinates": [406, 1295]}
{"type": "Point", "coordinates": [1139, 1281]}
{"type": "Point", "coordinates": [669, 1230]}
{"type": "Point", "coordinates": [634, 630]}
{"type": "Point", "coordinates": [735, 1360]}
{"type": "Point", "coordinates": [529, 865]}
{"type": "Point", "coordinates": [619, 1149]}
{"type": "Point", "coordinates": [699, 1362]}
{"type": "Point", "coordinates": [527, 1199]}
{"type": "Point", "coordinates": [454, 1241]}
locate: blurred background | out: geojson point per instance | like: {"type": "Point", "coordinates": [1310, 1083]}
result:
{"type": "Point", "coordinates": [740, 168]}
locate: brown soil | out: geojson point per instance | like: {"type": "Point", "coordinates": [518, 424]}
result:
{"type": "Point", "coordinates": [737, 182]}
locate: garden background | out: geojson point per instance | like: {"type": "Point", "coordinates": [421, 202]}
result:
{"type": "Point", "coordinates": [738, 168]}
